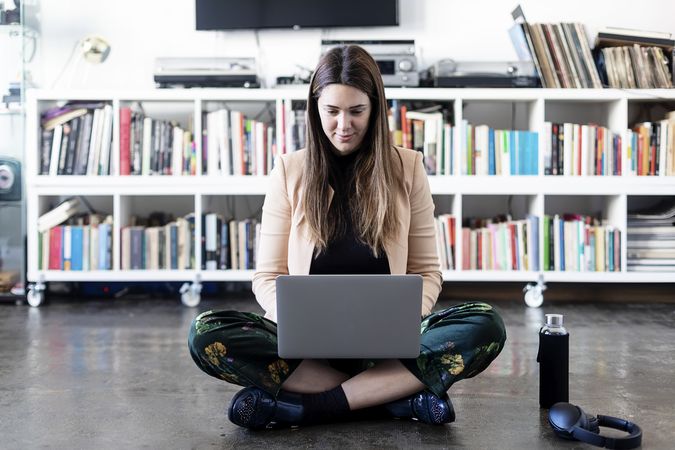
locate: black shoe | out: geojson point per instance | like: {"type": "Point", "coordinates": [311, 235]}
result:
{"type": "Point", "coordinates": [256, 409]}
{"type": "Point", "coordinates": [423, 406]}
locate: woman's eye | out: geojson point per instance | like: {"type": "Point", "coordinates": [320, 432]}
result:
{"type": "Point", "coordinates": [357, 112]}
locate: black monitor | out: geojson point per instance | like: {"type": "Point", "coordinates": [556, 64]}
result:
{"type": "Point", "coordinates": [257, 14]}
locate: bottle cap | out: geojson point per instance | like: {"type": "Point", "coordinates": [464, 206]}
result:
{"type": "Point", "coordinates": [555, 320]}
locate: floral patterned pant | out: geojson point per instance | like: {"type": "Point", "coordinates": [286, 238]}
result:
{"type": "Point", "coordinates": [241, 348]}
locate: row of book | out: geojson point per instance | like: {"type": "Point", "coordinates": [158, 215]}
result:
{"type": "Point", "coordinates": [636, 67]}
{"type": "Point", "coordinates": [85, 243]}
{"type": "Point", "coordinates": [498, 152]}
{"type": "Point", "coordinates": [501, 244]}
{"type": "Point", "coordinates": [574, 242]}
{"type": "Point", "coordinates": [560, 51]}
{"type": "Point", "coordinates": [154, 147]}
{"type": "Point", "coordinates": [651, 147]}
{"type": "Point", "coordinates": [651, 238]}
{"type": "Point", "coordinates": [574, 149]}
{"type": "Point", "coordinates": [428, 131]}
{"type": "Point", "coordinates": [236, 145]}
{"type": "Point", "coordinates": [76, 139]}
{"type": "Point", "coordinates": [293, 119]}
{"type": "Point", "coordinates": [229, 244]}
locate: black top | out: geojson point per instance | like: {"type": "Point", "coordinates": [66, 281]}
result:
{"type": "Point", "coordinates": [345, 254]}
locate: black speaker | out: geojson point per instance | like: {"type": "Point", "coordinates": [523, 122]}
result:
{"type": "Point", "coordinates": [10, 179]}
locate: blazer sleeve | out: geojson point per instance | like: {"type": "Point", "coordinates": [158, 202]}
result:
{"type": "Point", "coordinates": [273, 245]}
{"type": "Point", "coordinates": [422, 248]}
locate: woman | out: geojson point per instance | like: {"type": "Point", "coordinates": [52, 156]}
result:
{"type": "Point", "coordinates": [348, 203]}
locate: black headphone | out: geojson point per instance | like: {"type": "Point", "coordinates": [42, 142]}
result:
{"type": "Point", "coordinates": [571, 422]}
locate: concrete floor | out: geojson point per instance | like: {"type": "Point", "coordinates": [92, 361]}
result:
{"type": "Point", "coordinates": [111, 374]}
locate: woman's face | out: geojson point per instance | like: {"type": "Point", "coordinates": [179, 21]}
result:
{"type": "Point", "coordinates": [344, 112]}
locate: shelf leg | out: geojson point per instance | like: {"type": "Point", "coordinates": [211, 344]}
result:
{"type": "Point", "coordinates": [534, 293]}
{"type": "Point", "coordinates": [36, 292]}
{"type": "Point", "coordinates": [190, 293]}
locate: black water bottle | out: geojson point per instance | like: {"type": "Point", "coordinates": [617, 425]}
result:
{"type": "Point", "coordinates": [553, 359]}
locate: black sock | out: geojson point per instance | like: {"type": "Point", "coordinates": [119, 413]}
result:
{"type": "Point", "coordinates": [325, 407]}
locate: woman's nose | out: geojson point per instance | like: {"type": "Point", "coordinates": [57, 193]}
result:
{"type": "Point", "coordinates": [343, 121]}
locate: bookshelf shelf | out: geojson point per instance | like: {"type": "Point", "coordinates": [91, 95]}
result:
{"type": "Point", "coordinates": [240, 197]}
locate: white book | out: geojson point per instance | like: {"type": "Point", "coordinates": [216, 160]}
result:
{"type": "Point", "coordinates": [223, 123]}
{"type": "Point", "coordinates": [234, 244]}
{"type": "Point", "coordinates": [548, 148]}
{"type": "Point", "coordinates": [146, 150]}
{"type": "Point", "coordinates": [663, 148]}
{"type": "Point", "coordinates": [98, 140]}
{"type": "Point", "coordinates": [91, 155]}
{"type": "Point", "coordinates": [44, 257]}
{"type": "Point", "coordinates": [211, 241]}
{"type": "Point", "coordinates": [106, 141]}
{"type": "Point", "coordinates": [440, 247]}
{"type": "Point", "coordinates": [67, 248]}
{"type": "Point", "coordinates": [270, 150]}
{"type": "Point", "coordinates": [236, 119]}
{"type": "Point", "coordinates": [56, 150]}
{"type": "Point", "coordinates": [463, 147]}
{"type": "Point", "coordinates": [177, 152]}
{"type": "Point", "coordinates": [93, 247]}
{"type": "Point", "coordinates": [242, 244]}
{"type": "Point", "coordinates": [260, 148]}
{"type": "Point", "coordinates": [212, 151]}
{"type": "Point", "coordinates": [59, 214]}
{"type": "Point", "coordinates": [126, 248]}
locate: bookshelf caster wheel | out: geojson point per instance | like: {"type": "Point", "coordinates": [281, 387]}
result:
{"type": "Point", "coordinates": [190, 294]}
{"type": "Point", "coordinates": [35, 296]}
{"type": "Point", "coordinates": [534, 293]}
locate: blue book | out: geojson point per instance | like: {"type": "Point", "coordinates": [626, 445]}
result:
{"type": "Point", "coordinates": [534, 153]}
{"type": "Point", "coordinates": [103, 245]}
{"type": "Point", "coordinates": [76, 240]}
{"type": "Point", "coordinates": [491, 152]}
{"type": "Point", "coordinates": [610, 251]}
{"type": "Point", "coordinates": [513, 151]}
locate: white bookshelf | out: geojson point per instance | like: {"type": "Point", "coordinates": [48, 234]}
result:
{"type": "Point", "coordinates": [460, 195]}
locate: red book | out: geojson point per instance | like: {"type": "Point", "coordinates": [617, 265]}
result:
{"type": "Point", "coordinates": [125, 141]}
{"type": "Point", "coordinates": [55, 235]}
{"type": "Point", "coordinates": [598, 152]}
{"type": "Point", "coordinates": [405, 127]}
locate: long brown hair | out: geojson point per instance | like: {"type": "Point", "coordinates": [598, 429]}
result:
{"type": "Point", "coordinates": [378, 166]}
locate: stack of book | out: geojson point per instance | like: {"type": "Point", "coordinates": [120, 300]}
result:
{"type": "Point", "coordinates": [651, 147]}
{"type": "Point", "coordinates": [574, 242]}
{"type": "Point", "coordinates": [153, 246]}
{"type": "Point", "coordinates": [236, 145]}
{"type": "Point", "coordinates": [154, 147]}
{"type": "Point", "coordinates": [229, 244]}
{"type": "Point", "coordinates": [293, 126]}
{"type": "Point", "coordinates": [445, 240]}
{"type": "Point", "coordinates": [428, 131]}
{"type": "Point", "coordinates": [76, 139]}
{"type": "Point", "coordinates": [573, 149]}
{"type": "Point", "coordinates": [560, 52]}
{"type": "Point", "coordinates": [651, 238]}
{"type": "Point", "coordinates": [635, 59]}
{"type": "Point", "coordinates": [487, 151]}
{"type": "Point", "coordinates": [500, 243]}
{"type": "Point", "coordinates": [80, 242]}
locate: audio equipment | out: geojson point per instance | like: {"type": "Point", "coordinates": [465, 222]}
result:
{"type": "Point", "coordinates": [10, 179]}
{"type": "Point", "coordinates": [206, 72]}
{"type": "Point", "coordinates": [395, 58]}
{"type": "Point", "coordinates": [571, 422]}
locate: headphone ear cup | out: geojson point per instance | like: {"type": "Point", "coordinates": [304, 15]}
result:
{"type": "Point", "coordinates": [588, 421]}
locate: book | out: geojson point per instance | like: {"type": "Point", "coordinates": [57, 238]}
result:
{"type": "Point", "coordinates": [56, 216]}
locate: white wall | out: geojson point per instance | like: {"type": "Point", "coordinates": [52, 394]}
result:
{"type": "Point", "coordinates": [141, 30]}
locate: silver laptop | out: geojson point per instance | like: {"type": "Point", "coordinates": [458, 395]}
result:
{"type": "Point", "coordinates": [349, 316]}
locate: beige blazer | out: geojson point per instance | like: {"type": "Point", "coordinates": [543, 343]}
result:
{"type": "Point", "coordinates": [285, 246]}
